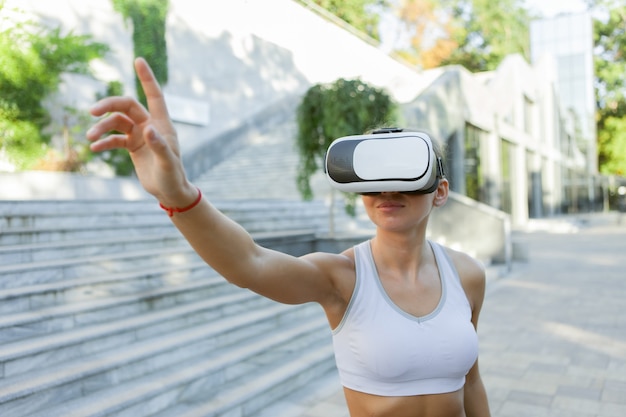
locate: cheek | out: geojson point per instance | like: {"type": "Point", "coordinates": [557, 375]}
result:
{"type": "Point", "coordinates": [368, 202]}
{"type": "Point", "coordinates": [369, 207]}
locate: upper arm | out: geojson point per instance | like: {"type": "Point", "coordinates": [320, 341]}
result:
{"type": "Point", "coordinates": [230, 250]}
{"type": "Point", "coordinates": [473, 279]}
{"type": "Point", "coordinates": [295, 280]}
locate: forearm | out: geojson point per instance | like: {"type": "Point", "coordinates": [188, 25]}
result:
{"type": "Point", "coordinates": [475, 397]}
{"type": "Point", "coordinates": [222, 243]}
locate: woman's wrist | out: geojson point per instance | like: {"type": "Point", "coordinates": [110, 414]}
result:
{"type": "Point", "coordinates": [181, 199]}
{"type": "Point", "coordinates": [173, 210]}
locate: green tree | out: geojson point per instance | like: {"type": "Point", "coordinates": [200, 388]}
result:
{"type": "Point", "coordinates": [329, 111]}
{"type": "Point", "coordinates": [476, 34]}
{"type": "Point", "coordinates": [487, 31]}
{"type": "Point", "coordinates": [361, 14]}
{"type": "Point", "coordinates": [610, 67]}
{"type": "Point", "coordinates": [32, 59]}
{"type": "Point", "coordinates": [432, 32]}
{"type": "Point", "coordinates": [149, 27]}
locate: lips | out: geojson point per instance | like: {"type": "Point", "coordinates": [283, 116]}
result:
{"type": "Point", "coordinates": [390, 204]}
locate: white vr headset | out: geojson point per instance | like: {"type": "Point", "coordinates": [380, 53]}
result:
{"type": "Point", "coordinates": [389, 159]}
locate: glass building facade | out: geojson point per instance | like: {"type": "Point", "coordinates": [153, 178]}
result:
{"type": "Point", "coordinates": [568, 39]}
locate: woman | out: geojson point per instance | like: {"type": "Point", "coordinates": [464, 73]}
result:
{"type": "Point", "coordinates": [385, 369]}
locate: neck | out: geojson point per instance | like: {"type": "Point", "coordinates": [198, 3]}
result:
{"type": "Point", "coordinates": [400, 251]}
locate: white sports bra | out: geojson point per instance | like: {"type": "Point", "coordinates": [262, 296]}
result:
{"type": "Point", "coordinates": [382, 350]}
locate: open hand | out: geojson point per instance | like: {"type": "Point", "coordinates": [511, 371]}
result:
{"type": "Point", "coordinates": [148, 135]}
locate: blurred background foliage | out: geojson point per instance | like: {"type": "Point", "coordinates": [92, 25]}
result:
{"type": "Point", "coordinates": [32, 61]}
{"type": "Point", "coordinates": [610, 67]}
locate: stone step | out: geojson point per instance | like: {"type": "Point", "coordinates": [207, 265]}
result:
{"type": "Point", "coordinates": [181, 360]}
{"type": "Point", "coordinates": [32, 297]}
{"type": "Point", "coordinates": [21, 212]}
{"type": "Point", "coordinates": [54, 347]}
{"type": "Point", "coordinates": [23, 222]}
{"type": "Point", "coordinates": [247, 398]}
{"type": "Point", "coordinates": [83, 217]}
{"type": "Point", "coordinates": [43, 251]}
{"type": "Point", "coordinates": [269, 209]}
{"type": "Point", "coordinates": [264, 215]}
{"type": "Point", "coordinates": [29, 235]}
{"type": "Point", "coordinates": [254, 216]}
{"type": "Point", "coordinates": [303, 221]}
{"type": "Point", "coordinates": [34, 273]}
{"type": "Point", "coordinates": [68, 316]}
{"type": "Point", "coordinates": [27, 213]}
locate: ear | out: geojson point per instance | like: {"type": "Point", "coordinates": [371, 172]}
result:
{"type": "Point", "coordinates": [441, 193]}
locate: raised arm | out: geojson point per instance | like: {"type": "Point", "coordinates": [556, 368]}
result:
{"type": "Point", "coordinates": [150, 138]}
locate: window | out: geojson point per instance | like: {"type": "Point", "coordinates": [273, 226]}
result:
{"type": "Point", "coordinates": [528, 116]}
{"type": "Point", "coordinates": [506, 166]}
{"type": "Point", "coordinates": [474, 180]}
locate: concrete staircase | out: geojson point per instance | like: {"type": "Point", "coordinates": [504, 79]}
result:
{"type": "Point", "coordinates": [107, 311]}
{"type": "Point", "coordinates": [265, 167]}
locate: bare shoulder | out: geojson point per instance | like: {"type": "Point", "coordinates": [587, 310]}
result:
{"type": "Point", "coordinates": [472, 275]}
{"type": "Point", "coordinates": [339, 269]}
{"type": "Point", "coordinates": [467, 266]}
{"type": "Point", "coordinates": [335, 266]}
{"type": "Point", "coordinates": [331, 261]}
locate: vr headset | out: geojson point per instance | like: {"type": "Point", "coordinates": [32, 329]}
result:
{"type": "Point", "coordinates": [389, 159]}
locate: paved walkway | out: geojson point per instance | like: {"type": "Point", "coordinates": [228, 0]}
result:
{"type": "Point", "coordinates": [553, 331]}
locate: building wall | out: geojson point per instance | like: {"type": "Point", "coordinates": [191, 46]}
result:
{"type": "Point", "coordinates": [568, 38]}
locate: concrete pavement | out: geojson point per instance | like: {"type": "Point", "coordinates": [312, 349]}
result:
{"type": "Point", "coordinates": [552, 332]}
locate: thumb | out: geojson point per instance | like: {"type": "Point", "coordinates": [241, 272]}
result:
{"type": "Point", "coordinates": [155, 142]}
{"type": "Point", "coordinates": [160, 148]}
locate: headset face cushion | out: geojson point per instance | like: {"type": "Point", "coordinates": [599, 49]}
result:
{"type": "Point", "coordinates": [397, 161]}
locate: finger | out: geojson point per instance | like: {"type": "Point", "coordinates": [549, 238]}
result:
{"type": "Point", "coordinates": [109, 142]}
{"type": "Point", "coordinates": [114, 122]}
{"type": "Point", "coordinates": [152, 89]}
{"type": "Point", "coordinates": [126, 105]}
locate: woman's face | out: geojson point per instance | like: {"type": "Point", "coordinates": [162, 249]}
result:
{"type": "Point", "coordinates": [396, 211]}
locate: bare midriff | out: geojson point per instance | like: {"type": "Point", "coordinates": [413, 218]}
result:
{"type": "Point", "coordinates": [437, 405]}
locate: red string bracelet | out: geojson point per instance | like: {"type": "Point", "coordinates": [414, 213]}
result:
{"type": "Point", "coordinates": [172, 210]}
